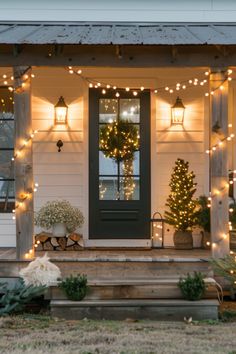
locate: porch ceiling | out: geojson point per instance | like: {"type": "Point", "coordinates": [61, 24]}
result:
{"type": "Point", "coordinates": [90, 33]}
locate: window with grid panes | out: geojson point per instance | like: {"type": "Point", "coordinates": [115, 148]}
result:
{"type": "Point", "coordinates": [7, 185]}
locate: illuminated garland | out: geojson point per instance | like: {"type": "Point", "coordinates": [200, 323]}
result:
{"type": "Point", "coordinates": [119, 140]}
{"type": "Point", "coordinates": [181, 85]}
{"type": "Point", "coordinates": [24, 196]}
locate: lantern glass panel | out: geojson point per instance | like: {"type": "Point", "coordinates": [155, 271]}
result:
{"type": "Point", "coordinates": [177, 112]}
{"type": "Point", "coordinates": [177, 115]}
{"type": "Point", "coordinates": [61, 110]}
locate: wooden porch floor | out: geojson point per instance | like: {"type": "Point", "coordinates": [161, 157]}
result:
{"type": "Point", "coordinates": [116, 254]}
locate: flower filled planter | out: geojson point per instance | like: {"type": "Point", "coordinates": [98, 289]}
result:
{"type": "Point", "coordinates": [60, 216]}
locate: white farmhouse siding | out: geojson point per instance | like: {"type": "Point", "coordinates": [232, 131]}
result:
{"type": "Point", "coordinates": [7, 231]}
{"type": "Point", "coordinates": [171, 142]}
{"type": "Point", "coordinates": [122, 10]}
{"type": "Point", "coordinates": [64, 175]}
{"type": "Point", "coordinates": [61, 175]}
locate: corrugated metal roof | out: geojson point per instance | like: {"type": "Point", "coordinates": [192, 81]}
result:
{"type": "Point", "coordinates": [119, 33]}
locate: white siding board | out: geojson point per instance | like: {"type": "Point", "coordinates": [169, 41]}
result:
{"type": "Point", "coordinates": [176, 136]}
{"type": "Point", "coordinates": [63, 191]}
{"type": "Point", "coordinates": [7, 231]}
{"type": "Point", "coordinates": [42, 124]}
{"type": "Point", "coordinates": [189, 125]}
{"type": "Point", "coordinates": [59, 180]}
{"type": "Point", "coordinates": [64, 136]}
{"type": "Point", "coordinates": [55, 169]}
{"type": "Point", "coordinates": [50, 147]}
{"type": "Point", "coordinates": [40, 201]}
{"type": "Point", "coordinates": [7, 240]}
{"type": "Point", "coordinates": [176, 147]}
{"type": "Point", "coordinates": [58, 158]}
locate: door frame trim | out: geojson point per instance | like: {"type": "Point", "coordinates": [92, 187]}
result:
{"type": "Point", "coordinates": [145, 160]}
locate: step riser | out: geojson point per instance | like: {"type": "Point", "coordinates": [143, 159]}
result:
{"type": "Point", "coordinates": [163, 313]}
{"type": "Point", "coordinates": [124, 270]}
{"type": "Point", "coordinates": [130, 292]}
{"type": "Point", "coordinates": [114, 270]}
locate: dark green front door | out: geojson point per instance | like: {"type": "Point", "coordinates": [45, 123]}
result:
{"type": "Point", "coordinates": [119, 165]}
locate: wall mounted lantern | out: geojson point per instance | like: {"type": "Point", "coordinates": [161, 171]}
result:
{"type": "Point", "coordinates": [177, 112]}
{"type": "Point", "coordinates": [61, 110]}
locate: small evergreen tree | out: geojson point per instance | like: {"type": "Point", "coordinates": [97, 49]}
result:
{"type": "Point", "coordinates": [182, 213]}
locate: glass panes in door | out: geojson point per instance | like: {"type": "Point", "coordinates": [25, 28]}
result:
{"type": "Point", "coordinates": [119, 149]}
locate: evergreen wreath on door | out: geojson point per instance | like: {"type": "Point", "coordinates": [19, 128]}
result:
{"type": "Point", "coordinates": [119, 140]}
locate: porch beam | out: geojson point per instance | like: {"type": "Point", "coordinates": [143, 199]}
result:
{"type": "Point", "coordinates": [106, 55]}
{"type": "Point", "coordinates": [23, 163]}
{"type": "Point", "coordinates": [219, 165]}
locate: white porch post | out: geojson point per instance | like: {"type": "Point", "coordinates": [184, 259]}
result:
{"type": "Point", "coordinates": [23, 163]}
{"type": "Point", "coordinates": [219, 165]}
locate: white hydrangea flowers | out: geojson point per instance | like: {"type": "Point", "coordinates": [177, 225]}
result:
{"type": "Point", "coordinates": [59, 211]}
{"type": "Point", "coordinates": [40, 272]}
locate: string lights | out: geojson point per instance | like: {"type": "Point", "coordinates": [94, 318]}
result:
{"type": "Point", "coordinates": [7, 80]}
{"type": "Point", "coordinates": [25, 196]}
{"type": "Point", "coordinates": [171, 89]}
{"type": "Point", "coordinates": [221, 142]}
{"type": "Point", "coordinates": [232, 174]}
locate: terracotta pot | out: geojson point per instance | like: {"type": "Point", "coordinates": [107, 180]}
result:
{"type": "Point", "coordinates": [183, 240]}
{"type": "Point", "coordinates": [206, 237]}
{"type": "Point", "coordinates": [59, 230]}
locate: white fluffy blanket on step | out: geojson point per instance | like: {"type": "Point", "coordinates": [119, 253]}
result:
{"type": "Point", "coordinates": [40, 272]}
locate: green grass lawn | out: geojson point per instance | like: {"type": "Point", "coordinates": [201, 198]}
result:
{"type": "Point", "coordinates": [36, 334]}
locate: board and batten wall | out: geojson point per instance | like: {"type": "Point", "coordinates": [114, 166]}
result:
{"type": "Point", "coordinates": [61, 175]}
{"type": "Point", "coordinates": [122, 10]}
{"type": "Point", "coordinates": [171, 142]}
{"type": "Point", "coordinates": [64, 175]}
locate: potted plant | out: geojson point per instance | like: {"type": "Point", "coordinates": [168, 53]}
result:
{"type": "Point", "coordinates": [182, 206]}
{"type": "Point", "coordinates": [204, 220]}
{"type": "Point", "coordinates": [60, 216]}
{"type": "Point", "coordinates": [193, 286]}
{"type": "Point", "coordinates": [75, 287]}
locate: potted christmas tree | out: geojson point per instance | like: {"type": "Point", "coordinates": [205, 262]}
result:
{"type": "Point", "coordinates": [182, 206]}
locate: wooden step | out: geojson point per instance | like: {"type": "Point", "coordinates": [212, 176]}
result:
{"type": "Point", "coordinates": [135, 309]}
{"type": "Point", "coordinates": [117, 267]}
{"type": "Point", "coordinates": [115, 289]}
